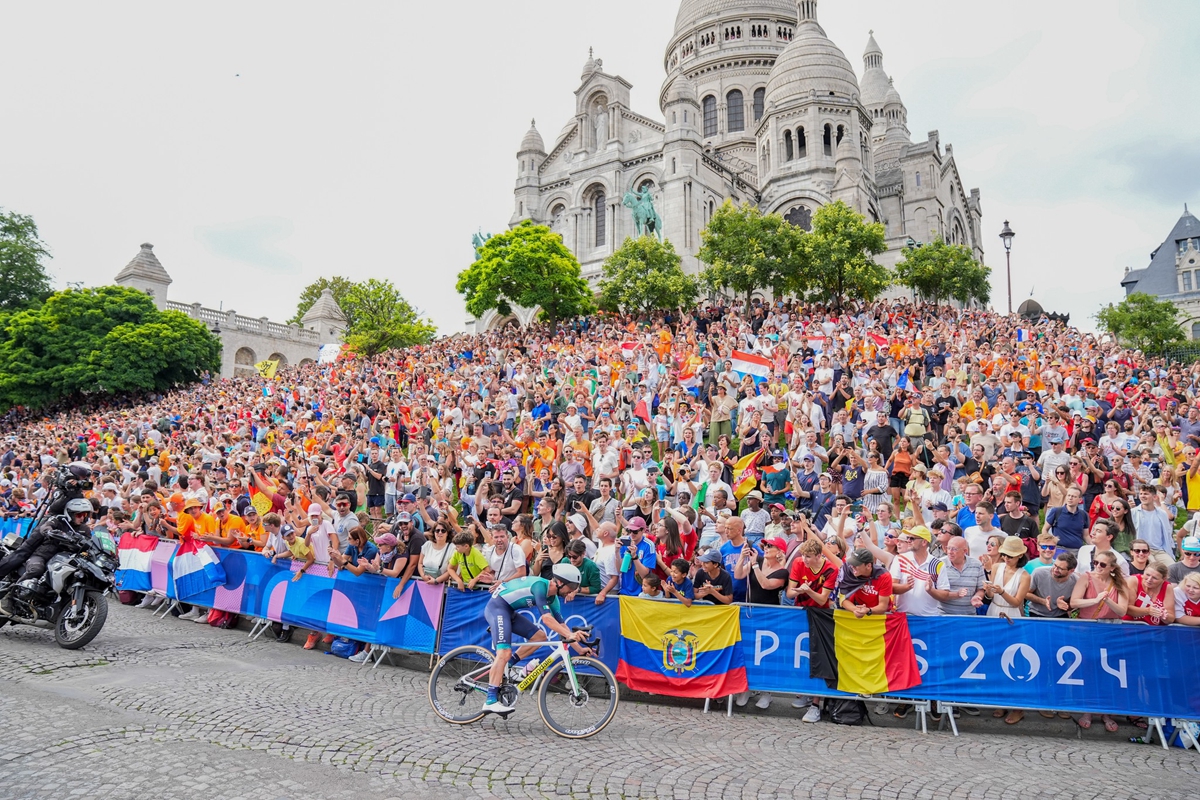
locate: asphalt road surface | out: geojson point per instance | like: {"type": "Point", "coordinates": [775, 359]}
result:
{"type": "Point", "coordinates": [161, 709]}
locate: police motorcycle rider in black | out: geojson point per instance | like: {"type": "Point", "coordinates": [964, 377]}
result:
{"type": "Point", "coordinates": [65, 519]}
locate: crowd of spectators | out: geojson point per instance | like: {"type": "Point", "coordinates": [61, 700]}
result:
{"type": "Point", "coordinates": [901, 456]}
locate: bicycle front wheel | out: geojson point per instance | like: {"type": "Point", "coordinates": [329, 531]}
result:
{"type": "Point", "coordinates": [578, 716]}
{"type": "Point", "coordinates": [458, 684]}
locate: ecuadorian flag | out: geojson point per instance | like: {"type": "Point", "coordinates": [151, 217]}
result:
{"type": "Point", "coordinates": [669, 649]}
{"type": "Point", "coordinates": [872, 655]}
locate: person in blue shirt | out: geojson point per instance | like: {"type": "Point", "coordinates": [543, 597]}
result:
{"type": "Point", "coordinates": [678, 585]}
{"type": "Point", "coordinates": [731, 551]}
{"type": "Point", "coordinates": [1069, 522]}
{"type": "Point", "coordinates": [636, 557]}
{"type": "Point", "coordinates": [972, 496]}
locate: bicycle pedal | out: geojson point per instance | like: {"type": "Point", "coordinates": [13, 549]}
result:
{"type": "Point", "coordinates": [505, 715]}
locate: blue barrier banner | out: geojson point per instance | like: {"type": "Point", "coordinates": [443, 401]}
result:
{"type": "Point", "coordinates": [18, 526]}
{"type": "Point", "coordinates": [359, 607]}
{"type": "Point", "coordinates": [1065, 665]}
{"type": "Point", "coordinates": [463, 623]}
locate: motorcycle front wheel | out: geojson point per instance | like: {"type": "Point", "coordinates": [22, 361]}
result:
{"type": "Point", "coordinates": [74, 634]}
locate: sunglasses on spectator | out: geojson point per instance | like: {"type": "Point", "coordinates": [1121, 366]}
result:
{"type": "Point", "coordinates": [1140, 550]}
{"type": "Point", "coordinates": [1047, 546]}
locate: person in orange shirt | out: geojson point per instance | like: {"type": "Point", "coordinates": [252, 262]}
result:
{"type": "Point", "coordinates": [231, 529]}
{"type": "Point", "coordinates": [194, 522]}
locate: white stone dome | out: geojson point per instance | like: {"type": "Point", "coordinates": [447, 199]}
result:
{"type": "Point", "coordinates": [693, 12]}
{"type": "Point", "coordinates": [810, 62]}
{"type": "Point", "coordinates": [874, 82]}
{"type": "Point", "coordinates": [682, 90]}
{"type": "Point", "coordinates": [532, 143]}
{"type": "Point", "coordinates": [892, 97]}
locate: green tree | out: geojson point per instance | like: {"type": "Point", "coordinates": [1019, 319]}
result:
{"type": "Point", "coordinates": [380, 319]}
{"type": "Point", "coordinates": [1142, 322]}
{"type": "Point", "coordinates": [527, 266]}
{"type": "Point", "coordinates": [109, 339]}
{"type": "Point", "coordinates": [841, 249]}
{"type": "Point", "coordinates": [940, 271]}
{"type": "Point", "coordinates": [747, 250]}
{"type": "Point", "coordinates": [311, 293]}
{"type": "Point", "coordinates": [23, 279]}
{"type": "Point", "coordinates": [644, 276]}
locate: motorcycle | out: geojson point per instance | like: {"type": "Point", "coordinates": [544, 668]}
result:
{"type": "Point", "coordinates": [69, 597]}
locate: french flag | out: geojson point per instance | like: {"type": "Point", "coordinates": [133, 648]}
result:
{"type": "Point", "coordinates": [134, 552]}
{"type": "Point", "coordinates": [1022, 334]}
{"type": "Point", "coordinates": [196, 569]}
{"type": "Point", "coordinates": [749, 364]}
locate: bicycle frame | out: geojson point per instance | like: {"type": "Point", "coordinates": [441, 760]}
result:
{"type": "Point", "coordinates": [561, 650]}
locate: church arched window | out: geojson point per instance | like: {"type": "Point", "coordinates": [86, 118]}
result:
{"type": "Point", "coordinates": [710, 115]}
{"type": "Point", "coordinates": [599, 206]}
{"type": "Point", "coordinates": [788, 152]}
{"type": "Point", "coordinates": [760, 96]}
{"type": "Point", "coordinates": [735, 111]}
{"type": "Point", "coordinates": [799, 216]}
{"type": "Point", "coordinates": [827, 140]}
{"type": "Point", "coordinates": [801, 143]}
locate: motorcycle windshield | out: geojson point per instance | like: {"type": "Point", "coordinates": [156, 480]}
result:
{"type": "Point", "coordinates": [105, 542]}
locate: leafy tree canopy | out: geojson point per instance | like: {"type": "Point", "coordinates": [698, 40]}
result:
{"type": "Point", "coordinates": [1142, 322]}
{"type": "Point", "coordinates": [23, 279]}
{"type": "Point", "coordinates": [940, 271]}
{"type": "Point", "coordinates": [311, 293]}
{"type": "Point", "coordinates": [111, 339]}
{"type": "Point", "coordinates": [526, 266]}
{"type": "Point", "coordinates": [747, 250]}
{"type": "Point", "coordinates": [644, 276]}
{"type": "Point", "coordinates": [840, 250]}
{"type": "Point", "coordinates": [381, 319]}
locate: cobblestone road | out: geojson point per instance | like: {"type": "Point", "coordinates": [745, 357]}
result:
{"type": "Point", "coordinates": [165, 709]}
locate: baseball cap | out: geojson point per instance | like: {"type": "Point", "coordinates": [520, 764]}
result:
{"type": "Point", "coordinates": [938, 507]}
{"type": "Point", "coordinates": [404, 516]}
{"type": "Point", "coordinates": [777, 541]}
{"type": "Point", "coordinates": [386, 538]}
{"type": "Point", "coordinates": [780, 506]}
{"type": "Point", "coordinates": [635, 524]}
{"type": "Point", "coordinates": [409, 498]}
{"type": "Point", "coordinates": [860, 557]}
{"type": "Point", "coordinates": [808, 457]}
{"type": "Point", "coordinates": [1191, 544]}
{"type": "Point", "coordinates": [711, 557]}
{"type": "Point", "coordinates": [314, 510]}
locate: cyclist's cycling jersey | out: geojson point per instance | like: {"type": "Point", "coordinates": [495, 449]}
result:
{"type": "Point", "coordinates": [530, 592]}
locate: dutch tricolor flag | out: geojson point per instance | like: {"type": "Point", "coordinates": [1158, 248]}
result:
{"type": "Point", "coordinates": [749, 364]}
{"type": "Point", "coordinates": [134, 552]}
{"type": "Point", "coordinates": [196, 569]}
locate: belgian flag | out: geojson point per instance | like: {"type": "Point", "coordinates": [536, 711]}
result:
{"type": "Point", "coordinates": [872, 655]}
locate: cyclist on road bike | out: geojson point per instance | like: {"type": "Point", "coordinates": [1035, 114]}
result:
{"type": "Point", "coordinates": [530, 592]}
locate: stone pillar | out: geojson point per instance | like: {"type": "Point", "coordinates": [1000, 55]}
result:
{"type": "Point", "coordinates": [195, 311]}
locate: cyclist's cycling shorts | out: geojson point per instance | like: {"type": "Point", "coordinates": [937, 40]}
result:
{"type": "Point", "coordinates": [504, 621]}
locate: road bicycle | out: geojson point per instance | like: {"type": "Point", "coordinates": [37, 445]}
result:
{"type": "Point", "coordinates": [577, 695]}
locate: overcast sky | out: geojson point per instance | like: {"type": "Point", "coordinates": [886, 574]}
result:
{"type": "Point", "coordinates": [261, 145]}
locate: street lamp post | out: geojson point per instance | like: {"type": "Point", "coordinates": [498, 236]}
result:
{"type": "Point", "coordinates": [1006, 236]}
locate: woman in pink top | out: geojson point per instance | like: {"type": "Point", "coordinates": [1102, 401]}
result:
{"type": "Point", "coordinates": [1101, 594]}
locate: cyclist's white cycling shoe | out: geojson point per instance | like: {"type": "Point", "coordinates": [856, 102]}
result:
{"type": "Point", "coordinates": [496, 707]}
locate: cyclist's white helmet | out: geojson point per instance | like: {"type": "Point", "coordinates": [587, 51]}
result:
{"type": "Point", "coordinates": [567, 573]}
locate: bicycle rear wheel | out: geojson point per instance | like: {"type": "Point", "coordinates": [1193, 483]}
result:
{"type": "Point", "coordinates": [578, 716]}
{"type": "Point", "coordinates": [458, 684]}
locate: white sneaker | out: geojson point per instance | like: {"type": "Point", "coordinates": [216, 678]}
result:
{"type": "Point", "coordinates": [361, 656]}
{"type": "Point", "coordinates": [741, 698]}
{"type": "Point", "coordinates": [202, 619]}
{"type": "Point", "coordinates": [190, 616]}
{"type": "Point", "coordinates": [812, 715]}
{"type": "Point", "coordinates": [882, 708]}
{"type": "Point", "coordinates": [801, 702]}
{"type": "Point", "coordinates": [496, 707]}
{"type": "Point", "coordinates": [763, 701]}
{"type": "Point", "coordinates": [150, 600]}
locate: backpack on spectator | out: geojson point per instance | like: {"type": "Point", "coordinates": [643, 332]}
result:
{"type": "Point", "coordinates": [222, 619]}
{"type": "Point", "coordinates": [343, 647]}
{"type": "Point", "coordinates": [847, 711]}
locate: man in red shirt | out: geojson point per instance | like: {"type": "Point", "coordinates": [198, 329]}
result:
{"type": "Point", "coordinates": [865, 589]}
{"type": "Point", "coordinates": [812, 576]}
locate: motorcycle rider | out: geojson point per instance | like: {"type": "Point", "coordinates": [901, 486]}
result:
{"type": "Point", "coordinates": [41, 545]}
